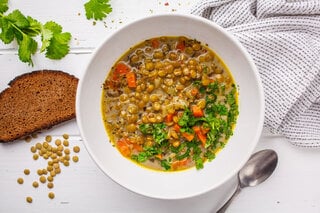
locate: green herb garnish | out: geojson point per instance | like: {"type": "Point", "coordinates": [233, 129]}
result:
{"type": "Point", "coordinates": [97, 9]}
{"type": "Point", "coordinates": [25, 29]}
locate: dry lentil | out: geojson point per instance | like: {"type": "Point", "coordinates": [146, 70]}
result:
{"type": "Point", "coordinates": [66, 163]}
{"type": "Point", "coordinates": [50, 185]}
{"type": "Point", "coordinates": [53, 173]}
{"type": "Point", "coordinates": [42, 179]}
{"type": "Point", "coordinates": [76, 149]}
{"type": "Point", "coordinates": [50, 178]}
{"type": "Point", "coordinates": [39, 171]}
{"type": "Point", "coordinates": [38, 146]}
{"type": "Point", "coordinates": [20, 180]}
{"type": "Point", "coordinates": [35, 184]}
{"type": "Point", "coordinates": [58, 142]}
{"type": "Point", "coordinates": [26, 171]}
{"type": "Point", "coordinates": [66, 143]}
{"type": "Point", "coordinates": [57, 154]}
{"type": "Point", "coordinates": [29, 199]}
{"type": "Point", "coordinates": [75, 158]}
{"type": "Point", "coordinates": [33, 149]}
{"type": "Point", "coordinates": [51, 195]}
{"type": "Point", "coordinates": [35, 156]}
{"type": "Point", "coordinates": [57, 170]}
{"type": "Point", "coordinates": [48, 138]}
{"type": "Point", "coordinates": [28, 139]}
{"type": "Point", "coordinates": [65, 136]}
{"type": "Point", "coordinates": [67, 151]}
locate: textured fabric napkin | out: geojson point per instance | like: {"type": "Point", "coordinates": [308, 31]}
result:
{"type": "Point", "coordinates": [283, 37]}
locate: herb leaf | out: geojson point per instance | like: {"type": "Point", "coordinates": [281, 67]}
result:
{"type": "Point", "coordinates": [97, 9]}
{"type": "Point", "coordinates": [27, 47]}
{"type": "Point", "coordinates": [24, 29]}
{"type": "Point", "coordinates": [156, 130]}
{"type": "Point", "coordinates": [56, 42]}
{"type": "Point", "coordinates": [165, 164]}
{"type": "Point", "coordinates": [3, 6]}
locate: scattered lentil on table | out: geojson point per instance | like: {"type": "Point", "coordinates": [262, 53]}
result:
{"type": "Point", "coordinates": [55, 154]}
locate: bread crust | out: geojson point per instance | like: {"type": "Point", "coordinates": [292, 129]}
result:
{"type": "Point", "coordinates": [36, 101]}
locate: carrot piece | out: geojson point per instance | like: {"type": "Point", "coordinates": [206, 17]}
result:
{"type": "Point", "coordinates": [169, 118]}
{"type": "Point", "coordinates": [137, 147]}
{"type": "Point", "coordinates": [159, 156]}
{"type": "Point", "coordinates": [181, 45]}
{"type": "Point", "coordinates": [201, 136]}
{"type": "Point", "coordinates": [188, 136]}
{"type": "Point", "coordinates": [176, 127]}
{"type": "Point", "coordinates": [194, 91]}
{"type": "Point", "coordinates": [179, 164]}
{"type": "Point", "coordinates": [119, 70]}
{"type": "Point", "coordinates": [122, 68]}
{"type": "Point", "coordinates": [197, 111]}
{"type": "Point", "coordinates": [123, 147]}
{"type": "Point", "coordinates": [131, 80]}
{"type": "Point", "coordinates": [155, 43]}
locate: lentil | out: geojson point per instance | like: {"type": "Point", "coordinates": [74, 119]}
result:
{"type": "Point", "coordinates": [29, 199]}
{"type": "Point", "coordinates": [50, 185]}
{"type": "Point", "coordinates": [51, 195]}
{"type": "Point", "coordinates": [26, 171]}
{"type": "Point", "coordinates": [35, 184]}
{"type": "Point", "coordinates": [75, 158]}
{"type": "Point", "coordinates": [76, 149]}
{"type": "Point", "coordinates": [20, 180]}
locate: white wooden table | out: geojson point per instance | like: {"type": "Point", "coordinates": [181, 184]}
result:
{"type": "Point", "coordinates": [82, 187]}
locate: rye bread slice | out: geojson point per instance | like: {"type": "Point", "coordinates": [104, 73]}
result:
{"type": "Point", "coordinates": [36, 101]}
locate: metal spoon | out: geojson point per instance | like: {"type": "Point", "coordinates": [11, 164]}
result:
{"type": "Point", "coordinates": [258, 168]}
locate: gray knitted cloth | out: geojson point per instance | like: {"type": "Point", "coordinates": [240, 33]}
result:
{"type": "Point", "coordinates": [283, 38]}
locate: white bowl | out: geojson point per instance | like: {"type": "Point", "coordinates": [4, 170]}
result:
{"type": "Point", "coordinates": [191, 182]}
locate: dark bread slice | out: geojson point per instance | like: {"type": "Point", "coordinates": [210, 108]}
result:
{"type": "Point", "coordinates": [36, 101]}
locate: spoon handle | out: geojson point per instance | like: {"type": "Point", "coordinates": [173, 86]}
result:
{"type": "Point", "coordinates": [227, 204]}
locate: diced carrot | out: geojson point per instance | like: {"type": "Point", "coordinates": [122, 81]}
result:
{"type": "Point", "coordinates": [155, 43]}
{"type": "Point", "coordinates": [159, 156]}
{"type": "Point", "coordinates": [120, 69]}
{"type": "Point", "coordinates": [194, 91]}
{"type": "Point", "coordinates": [176, 127]}
{"type": "Point", "coordinates": [197, 111]}
{"type": "Point", "coordinates": [201, 136]}
{"type": "Point", "coordinates": [196, 129]}
{"type": "Point", "coordinates": [131, 80]}
{"type": "Point", "coordinates": [123, 147]}
{"type": "Point", "coordinates": [179, 164]}
{"type": "Point", "coordinates": [188, 136]}
{"type": "Point", "coordinates": [181, 45]}
{"type": "Point", "coordinates": [169, 118]}
{"type": "Point", "coordinates": [204, 130]}
{"type": "Point", "coordinates": [137, 147]}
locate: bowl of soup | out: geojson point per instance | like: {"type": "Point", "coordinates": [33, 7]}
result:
{"type": "Point", "coordinates": [170, 106]}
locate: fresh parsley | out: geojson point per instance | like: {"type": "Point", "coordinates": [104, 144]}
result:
{"type": "Point", "coordinates": [156, 130]}
{"type": "Point", "coordinates": [25, 29]}
{"type": "Point", "coordinates": [97, 9]}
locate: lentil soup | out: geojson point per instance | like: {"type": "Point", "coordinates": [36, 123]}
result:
{"type": "Point", "coordinates": [169, 103]}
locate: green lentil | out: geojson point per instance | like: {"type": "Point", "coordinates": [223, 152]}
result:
{"type": "Point", "coordinates": [20, 180]}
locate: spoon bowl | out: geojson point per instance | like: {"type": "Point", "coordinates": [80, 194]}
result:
{"type": "Point", "coordinates": [258, 168]}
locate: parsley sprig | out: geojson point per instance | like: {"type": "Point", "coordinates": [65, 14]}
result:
{"type": "Point", "coordinates": [97, 9]}
{"type": "Point", "coordinates": [25, 29]}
